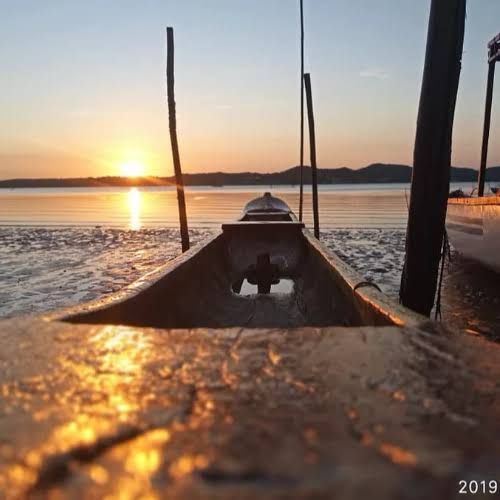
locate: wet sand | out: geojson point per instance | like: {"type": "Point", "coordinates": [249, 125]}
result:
{"type": "Point", "coordinates": [471, 298]}
{"type": "Point", "coordinates": [48, 268]}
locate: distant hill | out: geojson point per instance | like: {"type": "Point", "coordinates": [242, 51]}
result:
{"type": "Point", "coordinates": [375, 173]}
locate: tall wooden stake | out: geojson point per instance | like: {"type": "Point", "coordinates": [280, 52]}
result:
{"type": "Point", "coordinates": [432, 154]}
{"type": "Point", "coordinates": [173, 139]}
{"type": "Point", "coordinates": [486, 129]}
{"type": "Point", "coordinates": [312, 149]}
{"type": "Point", "coordinates": [301, 194]}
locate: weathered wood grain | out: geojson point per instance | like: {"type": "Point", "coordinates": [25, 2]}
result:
{"type": "Point", "coordinates": [93, 410]}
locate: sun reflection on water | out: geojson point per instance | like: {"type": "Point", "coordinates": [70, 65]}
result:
{"type": "Point", "coordinates": [134, 207]}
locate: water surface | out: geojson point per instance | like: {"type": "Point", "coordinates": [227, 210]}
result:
{"type": "Point", "coordinates": [341, 206]}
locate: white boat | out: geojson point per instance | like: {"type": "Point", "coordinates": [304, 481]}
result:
{"type": "Point", "coordinates": [473, 225]}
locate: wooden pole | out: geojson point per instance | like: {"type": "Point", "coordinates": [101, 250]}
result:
{"type": "Point", "coordinates": [432, 154]}
{"type": "Point", "coordinates": [301, 194]}
{"type": "Point", "coordinates": [173, 139]}
{"type": "Point", "coordinates": [486, 129]}
{"type": "Point", "coordinates": [312, 149]}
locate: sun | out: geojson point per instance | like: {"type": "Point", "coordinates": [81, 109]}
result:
{"type": "Point", "coordinates": [132, 169]}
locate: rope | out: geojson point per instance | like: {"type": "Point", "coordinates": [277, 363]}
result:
{"type": "Point", "coordinates": [445, 253]}
{"type": "Point", "coordinates": [367, 283]}
{"type": "Point", "coordinates": [403, 271]}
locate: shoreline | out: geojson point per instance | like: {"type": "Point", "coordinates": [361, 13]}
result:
{"type": "Point", "coordinates": [375, 173]}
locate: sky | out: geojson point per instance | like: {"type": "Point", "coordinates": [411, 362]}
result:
{"type": "Point", "coordinates": [83, 90]}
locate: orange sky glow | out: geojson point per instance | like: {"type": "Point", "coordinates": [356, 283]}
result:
{"type": "Point", "coordinates": [90, 101]}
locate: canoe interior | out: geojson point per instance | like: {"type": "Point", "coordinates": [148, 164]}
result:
{"type": "Point", "coordinates": [210, 286]}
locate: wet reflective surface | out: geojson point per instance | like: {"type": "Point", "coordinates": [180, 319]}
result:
{"type": "Point", "coordinates": [122, 412]}
{"type": "Point", "coordinates": [134, 206]}
{"type": "Point", "coordinates": [357, 205]}
{"type": "Point", "coordinates": [471, 298]}
{"type": "Point", "coordinates": [284, 286]}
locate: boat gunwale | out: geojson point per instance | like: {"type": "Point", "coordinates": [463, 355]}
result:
{"type": "Point", "coordinates": [475, 200]}
{"type": "Point", "coordinates": [396, 314]}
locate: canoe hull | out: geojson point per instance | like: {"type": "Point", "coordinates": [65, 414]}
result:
{"type": "Point", "coordinates": [473, 225]}
{"type": "Point", "coordinates": [194, 290]}
{"type": "Point", "coordinates": [262, 271]}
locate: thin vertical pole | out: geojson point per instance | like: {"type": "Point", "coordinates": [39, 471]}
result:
{"type": "Point", "coordinates": [486, 129]}
{"type": "Point", "coordinates": [312, 149]}
{"type": "Point", "coordinates": [173, 139]}
{"type": "Point", "coordinates": [432, 154]}
{"type": "Point", "coordinates": [301, 194]}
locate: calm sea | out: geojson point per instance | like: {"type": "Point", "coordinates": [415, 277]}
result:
{"type": "Point", "coordinates": [341, 206]}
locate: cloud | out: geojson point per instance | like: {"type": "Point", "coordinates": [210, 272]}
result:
{"type": "Point", "coordinates": [377, 73]}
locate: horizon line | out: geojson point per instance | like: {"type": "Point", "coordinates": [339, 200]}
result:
{"type": "Point", "coordinates": [214, 172]}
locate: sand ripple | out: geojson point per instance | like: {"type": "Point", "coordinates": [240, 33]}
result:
{"type": "Point", "coordinates": [47, 268]}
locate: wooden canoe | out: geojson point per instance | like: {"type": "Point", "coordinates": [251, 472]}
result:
{"type": "Point", "coordinates": [95, 403]}
{"type": "Point", "coordinates": [217, 283]}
